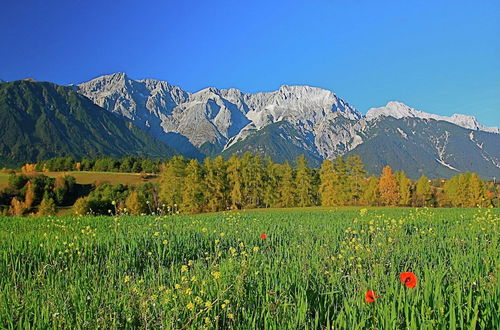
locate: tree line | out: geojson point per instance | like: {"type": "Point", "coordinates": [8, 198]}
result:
{"type": "Point", "coordinates": [127, 164]}
{"type": "Point", "coordinates": [252, 181]}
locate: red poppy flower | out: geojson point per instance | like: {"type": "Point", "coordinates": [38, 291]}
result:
{"type": "Point", "coordinates": [263, 236]}
{"type": "Point", "coordinates": [408, 279]}
{"type": "Point", "coordinates": [370, 296]}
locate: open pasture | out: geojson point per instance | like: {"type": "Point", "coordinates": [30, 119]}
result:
{"type": "Point", "coordinates": [311, 269]}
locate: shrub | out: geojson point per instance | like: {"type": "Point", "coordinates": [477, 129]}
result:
{"type": "Point", "coordinates": [47, 207]}
{"type": "Point", "coordinates": [81, 206]}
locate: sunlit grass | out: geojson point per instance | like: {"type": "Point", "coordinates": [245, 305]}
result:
{"type": "Point", "coordinates": [311, 271]}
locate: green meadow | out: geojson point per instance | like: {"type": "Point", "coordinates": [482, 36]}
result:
{"type": "Point", "coordinates": [311, 271]}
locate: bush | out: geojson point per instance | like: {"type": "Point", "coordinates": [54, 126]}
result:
{"type": "Point", "coordinates": [81, 206]}
{"type": "Point", "coordinates": [47, 207]}
{"type": "Point", "coordinates": [17, 207]}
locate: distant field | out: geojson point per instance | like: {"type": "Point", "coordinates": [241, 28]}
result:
{"type": "Point", "coordinates": [91, 177]}
{"type": "Point", "coordinates": [311, 270]}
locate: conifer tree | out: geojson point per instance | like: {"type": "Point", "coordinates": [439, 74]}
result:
{"type": "Point", "coordinates": [329, 180]}
{"type": "Point", "coordinates": [388, 187]}
{"type": "Point", "coordinates": [256, 183]}
{"type": "Point", "coordinates": [246, 178]}
{"type": "Point", "coordinates": [216, 184]}
{"type": "Point", "coordinates": [271, 183]}
{"type": "Point", "coordinates": [463, 189]}
{"type": "Point", "coordinates": [172, 181]}
{"type": "Point", "coordinates": [452, 191]}
{"type": "Point", "coordinates": [476, 193]}
{"type": "Point", "coordinates": [356, 174]}
{"type": "Point", "coordinates": [234, 175]}
{"type": "Point", "coordinates": [423, 192]}
{"type": "Point", "coordinates": [134, 203]}
{"type": "Point", "coordinates": [287, 187]}
{"type": "Point", "coordinates": [371, 195]}
{"type": "Point", "coordinates": [47, 207]}
{"type": "Point", "coordinates": [29, 198]}
{"type": "Point", "coordinates": [404, 189]}
{"type": "Point", "coordinates": [343, 192]}
{"type": "Point", "coordinates": [193, 199]}
{"type": "Point", "coordinates": [303, 183]}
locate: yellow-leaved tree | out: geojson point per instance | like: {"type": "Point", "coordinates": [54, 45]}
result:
{"type": "Point", "coordinates": [388, 187]}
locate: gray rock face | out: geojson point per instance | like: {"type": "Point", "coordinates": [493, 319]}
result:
{"type": "Point", "coordinates": [298, 119]}
{"type": "Point", "coordinates": [220, 116]}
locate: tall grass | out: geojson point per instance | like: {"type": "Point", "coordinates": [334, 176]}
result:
{"type": "Point", "coordinates": [214, 271]}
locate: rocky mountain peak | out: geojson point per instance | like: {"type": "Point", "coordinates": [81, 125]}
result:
{"type": "Point", "coordinates": [400, 110]}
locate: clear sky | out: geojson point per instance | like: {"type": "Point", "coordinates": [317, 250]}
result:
{"type": "Point", "coordinates": [438, 56]}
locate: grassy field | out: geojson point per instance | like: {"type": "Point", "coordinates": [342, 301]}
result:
{"type": "Point", "coordinates": [83, 177]}
{"type": "Point", "coordinates": [312, 270]}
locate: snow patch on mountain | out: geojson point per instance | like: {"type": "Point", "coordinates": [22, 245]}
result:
{"type": "Point", "coordinates": [403, 134]}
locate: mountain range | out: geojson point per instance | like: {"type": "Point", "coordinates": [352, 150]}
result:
{"type": "Point", "coordinates": [295, 120]}
{"type": "Point", "coordinates": [40, 120]}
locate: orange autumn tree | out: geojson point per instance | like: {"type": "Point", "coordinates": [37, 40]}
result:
{"type": "Point", "coordinates": [388, 187]}
{"type": "Point", "coordinates": [28, 168]}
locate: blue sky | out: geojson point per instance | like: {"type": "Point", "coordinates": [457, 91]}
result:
{"type": "Point", "coordinates": [437, 56]}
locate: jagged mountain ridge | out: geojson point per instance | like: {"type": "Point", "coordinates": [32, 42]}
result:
{"type": "Point", "coordinates": [318, 123]}
{"type": "Point", "coordinates": [214, 116]}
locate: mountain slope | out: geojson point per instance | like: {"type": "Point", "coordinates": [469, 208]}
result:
{"type": "Point", "coordinates": [401, 110]}
{"type": "Point", "coordinates": [427, 146]}
{"type": "Point", "coordinates": [42, 120]}
{"type": "Point", "coordinates": [280, 141]}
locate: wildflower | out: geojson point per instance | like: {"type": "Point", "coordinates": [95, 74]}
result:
{"type": "Point", "coordinates": [184, 268]}
{"type": "Point", "coordinates": [263, 236]}
{"type": "Point", "coordinates": [370, 296]}
{"type": "Point", "coordinates": [216, 275]}
{"type": "Point", "coordinates": [126, 279]}
{"type": "Point", "coordinates": [409, 279]}
{"type": "Point", "coordinates": [165, 242]}
{"type": "Point", "coordinates": [230, 316]}
{"type": "Point", "coordinates": [208, 304]}
{"type": "Point", "coordinates": [255, 249]}
{"type": "Point", "coordinates": [156, 233]}
{"type": "Point", "coordinates": [190, 306]}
